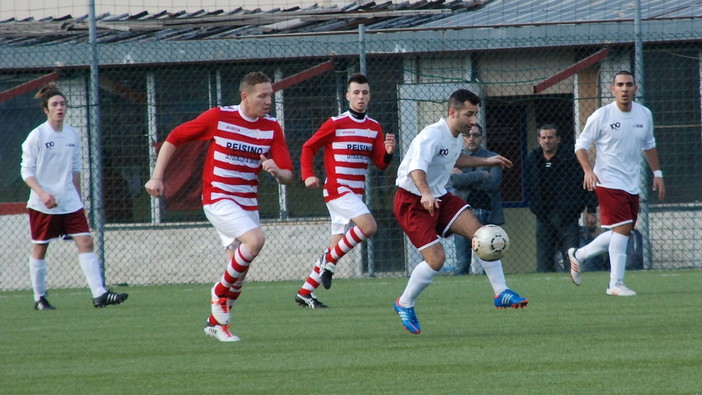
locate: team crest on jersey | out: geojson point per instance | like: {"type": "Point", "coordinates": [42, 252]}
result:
{"type": "Point", "coordinates": [443, 152]}
{"type": "Point", "coordinates": [615, 126]}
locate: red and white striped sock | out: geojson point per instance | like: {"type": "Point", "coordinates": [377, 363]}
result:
{"type": "Point", "coordinates": [233, 278]}
{"type": "Point", "coordinates": [351, 239]}
{"type": "Point", "coordinates": [313, 281]}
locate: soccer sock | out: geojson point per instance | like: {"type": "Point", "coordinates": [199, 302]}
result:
{"type": "Point", "coordinates": [37, 271]}
{"type": "Point", "coordinates": [617, 258]}
{"type": "Point", "coordinates": [495, 274]}
{"type": "Point", "coordinates": [596, 247]}
{"type": "Point", "coordinates": [351, 239]}
{"type": "Point", "coordinates": [233, 278]}
{"type": "Point", "coordinates": [421, 277]}
{"type": "Point", "coordinates": [90, 264]}
{"type": "Point", "coordinates": [313, 281]}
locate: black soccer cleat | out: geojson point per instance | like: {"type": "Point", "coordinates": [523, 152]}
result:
{"type": "Point", "coordinates": [43, 304]}
{"type": "Point", "coordinates": [108, 298]}
{"type": "Point", "coordinates": [309, 301]}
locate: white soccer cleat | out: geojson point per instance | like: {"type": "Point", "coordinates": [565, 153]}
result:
{"type": "Point", "coordinates": [575, 267]}
{"type": "Point", "coordinates": [221, 333]}
{"type": "Point", "coordinates": [619, 289]}
{"type": "Point", "coordinates": [220, 308]}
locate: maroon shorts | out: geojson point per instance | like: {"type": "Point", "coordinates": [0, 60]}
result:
{"type": "Point", "coordinates": [420, 227]}
{"type": "Point", "coordinates": [617, 207]}
{"type": "Point", "coordinates": [47, 227]}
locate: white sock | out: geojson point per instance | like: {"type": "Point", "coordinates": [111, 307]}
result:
{"type": "Point", "coordinates": [37, 271]}
{"type": "Point", "coordinates": [421, 277]}
{"type": "Point", "coordinates": [596, 247]}
{"type": "Point", "coordinates": [617, 258]}
{"type": "Point", "coordinates": [495, 274]}
{"type": "Point", "coordinates": [91, 269]}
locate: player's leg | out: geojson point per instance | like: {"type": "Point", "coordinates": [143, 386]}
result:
{"type": "Point", "coordinates": [37, 273]}
{"type": "Point", "coordinates": [420, 228]}
{"type": "Point", "coordinates": [466, 224]}
{"type": "Point", "coordinates": [348, 209]}
{"type": "Point", "coordinates": [305, 296]}
{"type": "Point", "coordinates": [76, 226]}
{"type": "Point", "coordinates": [243, 239]}
{"type": "Point", "coordinates": [42, 229]}
{"type": "Point", "coordinates": [617, 260]}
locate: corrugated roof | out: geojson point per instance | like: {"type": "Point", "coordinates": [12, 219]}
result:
{"type": "Point", "coordinates": [535, 12]}
{"type": "Point", "coordinates": [233, 24]}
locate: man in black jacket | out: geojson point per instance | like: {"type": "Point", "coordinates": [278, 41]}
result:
{"type": "Point", "coordinates": [554, 188]}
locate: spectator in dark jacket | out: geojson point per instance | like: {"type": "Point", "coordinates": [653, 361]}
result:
{"type": "Point", "coordinates": [553, 181]}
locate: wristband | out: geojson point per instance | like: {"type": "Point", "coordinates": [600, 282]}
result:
{"type": "Point", "coordinates": [658, 173]}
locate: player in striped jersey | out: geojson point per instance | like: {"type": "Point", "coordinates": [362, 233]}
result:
{"type": "Point", "coordinates": [243, 141]}
{"type": "Point", "coordinates": [351, 141]}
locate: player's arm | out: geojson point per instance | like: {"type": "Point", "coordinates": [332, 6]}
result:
{"type": "Point", "coordinates": [283, 176]}
{"type": "Point", "coordinates": [383, 149]}
{"type": "Point", "coordinates": [155, 184]}
{"type": "Point", "coordinates": [474, 161]}
{"type": "Point", "coordinates": [590, 179]}
{"type": "Point", "coordinates": [428, 201]}
{"type": "Point", "coordinates": [46, 198]}
{"type": "Point", "coordinates": [76, 182]}
{"type": "Point", "coordinates": [278, 162]}
{"type": "Point", "coordinates": [309, 151]}
{"type": "Point", "coordinates": [30, 154]}
{"type": "Point", "coordinates": [651, 156]}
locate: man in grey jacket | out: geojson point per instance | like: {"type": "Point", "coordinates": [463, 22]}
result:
{"type": "Point", "coordinates": [480, 187]}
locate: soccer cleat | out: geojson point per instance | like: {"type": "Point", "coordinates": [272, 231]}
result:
{"type": "Point", "coordinates": [309, 301]}
{"type": "Point", "coordinates": [619, 289]}
{"type": "Point", "coordinates": [509, 298]}
{"type": "Point", "coordinates": [220, 308]}
{"type": "Point", "coordinates": [220, 332]}
{"type": "Point", "coordinates": [408, 318]}
{"type": "Point", "coordinates": [575, 267]}
{"type": "Point", "coordinates": [43, 304]}
{"type": "Point", "coordinates": [108, 298]}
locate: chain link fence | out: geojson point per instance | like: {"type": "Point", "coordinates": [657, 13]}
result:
{"type": "Point", "coordinates": [146, 89]}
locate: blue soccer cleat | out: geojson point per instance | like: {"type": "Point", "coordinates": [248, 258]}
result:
{"type": "Point", "coordinates": [509, 298]}
{"type": "Point", "coordinates": [408, 318]}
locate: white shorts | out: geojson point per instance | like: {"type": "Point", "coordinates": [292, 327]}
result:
{"type": "Point", "coordinates": [230, 220]}
{"type": "Point", "coordinates": [343, 209]}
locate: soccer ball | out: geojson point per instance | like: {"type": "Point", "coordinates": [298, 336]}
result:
{"type": "Point", "coordinates": [490, 242]}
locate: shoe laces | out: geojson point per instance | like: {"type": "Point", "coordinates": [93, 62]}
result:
{"type": "Point", "coordinates": [407, 314]}
{"type": "Point", "coordinates": [223, 303]}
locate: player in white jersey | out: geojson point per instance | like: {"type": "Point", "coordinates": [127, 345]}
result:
{"type": "Point", "coordinates": [426, 211]}
{"type": "Point", "coordinates": [620, 131]}
{"type": "Point", "coordinates": [51, 168]}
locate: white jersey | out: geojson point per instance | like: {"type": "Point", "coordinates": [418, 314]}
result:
{"type": "Point", "coordinates": [434, 150]}
{"type": "Point", "coordinates": [52, 157]}
{"type": "Point", "coordinates": [619, 138]}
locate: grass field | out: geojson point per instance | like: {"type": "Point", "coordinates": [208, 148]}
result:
{"type": "Point", "coordinates": [570, 340]}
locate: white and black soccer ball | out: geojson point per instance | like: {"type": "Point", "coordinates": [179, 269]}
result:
{"type": "Point", "coordinates": [490, 242]}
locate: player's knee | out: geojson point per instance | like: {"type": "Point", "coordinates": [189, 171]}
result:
{"type": "Point", "coordinates": [370, 229]}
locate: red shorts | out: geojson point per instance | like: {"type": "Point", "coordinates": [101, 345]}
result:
{"type": "Point", "coordinates": [47, 227]}
{"type": "Point", "coordinates": [617, 207]}
{"type": "Point", "coordinates": [420, 227]}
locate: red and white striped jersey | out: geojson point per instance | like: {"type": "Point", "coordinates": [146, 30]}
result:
{"type": "Point", "coordinates": [350, 144]}
{"type": "Point", "coordinates": [234, 155]}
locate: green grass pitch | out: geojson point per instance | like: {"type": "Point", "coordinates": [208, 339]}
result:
{"type": "Point", "coordinates": [569, 340]}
